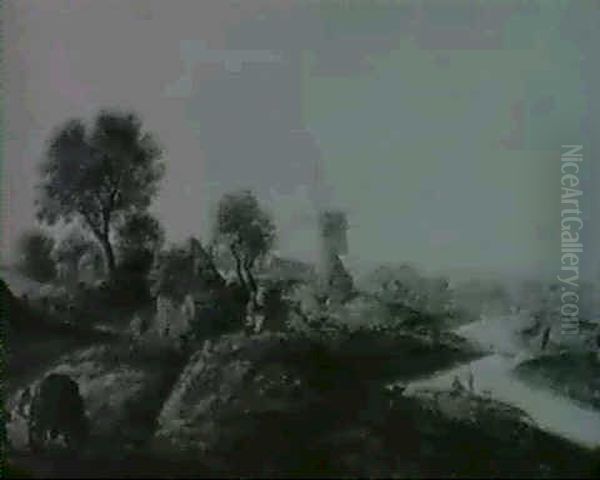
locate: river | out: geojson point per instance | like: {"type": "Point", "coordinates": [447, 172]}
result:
{"type": "Point", "coordinates": [494, 375]}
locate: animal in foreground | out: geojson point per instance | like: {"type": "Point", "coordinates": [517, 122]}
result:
{"type": "Point", "coordinates": [57, 408]}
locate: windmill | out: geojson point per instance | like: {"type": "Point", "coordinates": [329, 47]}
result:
{"type": "Point", "coordinates": [334, 279]}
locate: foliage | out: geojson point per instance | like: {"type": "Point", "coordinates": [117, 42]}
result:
{"type": "Point", "coordinates": [72, 247]}
{"type": "Point", "coordinates": [411, 297]}
{"type": "Point", "coordinates": [248, 232]}
{"type": "Point", "coordinates": [140, 238]}
{"type": "Point", "coordinates": [35, 259]}
{"type": "Point", "coordinates": [139, 233]}
{"type": "Point", "coordinates": [100, 174]}
{"type": "Point", "coordinates": [172, 273]}
{"type": "Point", "coordinates": [70, 250]}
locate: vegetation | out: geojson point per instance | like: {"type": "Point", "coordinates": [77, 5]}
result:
{"type": "Point", "coordinates": [174, 273]}
{"type": "Point", "coordinates": [99, 175]}
{"type": "Point", "coordinates": [247, 231]}
{"type": "Point", "coordinates": [35, 256]}
{"type": "Point", "coordinates": [140, 239]}
{"type": "Point", "coordinates": [69, 252]}
{"type": "Point", "coordinates": [264, 376]}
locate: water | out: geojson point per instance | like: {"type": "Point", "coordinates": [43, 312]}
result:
{"type": "Point", "coordinates": [494, 375]}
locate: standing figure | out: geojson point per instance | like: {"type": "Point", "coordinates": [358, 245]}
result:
{"type": "Point", "coordinates": [471, 381]}
{"type": "Point", "coordinates": [545, 338]}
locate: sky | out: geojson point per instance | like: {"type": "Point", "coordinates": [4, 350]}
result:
{"type": "Point", "coordinates": [436, 125]}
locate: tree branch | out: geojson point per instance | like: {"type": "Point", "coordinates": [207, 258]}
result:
{"type": "Point", "coordinates": [88, 219]}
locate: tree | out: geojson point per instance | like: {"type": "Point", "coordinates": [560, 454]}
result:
{"type": "Point", "coordinates": [35, 256]}
{"type": "Point", "coordinates": [99, 175]}
{"type": "Point", "coordinates": [140, 237]}
{"type": "Point", "coordinates": [247, 231]}
{"type": "Point", "coordinates": [70, 250]}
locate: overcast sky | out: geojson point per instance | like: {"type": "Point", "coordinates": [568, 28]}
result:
{"type": "Point", "coordinates": [436, 125]}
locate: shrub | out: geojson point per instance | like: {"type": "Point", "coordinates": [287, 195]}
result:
{"type": "Point", "coordinates": [35, 259]}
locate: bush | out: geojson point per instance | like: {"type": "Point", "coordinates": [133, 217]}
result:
{"type": "Point", "coordinates": [140, 237]}
{"type": "Point", "coordinates": [35, 259]}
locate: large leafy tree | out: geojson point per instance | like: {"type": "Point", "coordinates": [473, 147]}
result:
{"type": "Point", "coordinates": [248, 232]}
{"type": "Point", "coordinates": [99, 175]}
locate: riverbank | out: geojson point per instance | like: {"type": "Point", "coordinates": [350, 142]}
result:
{"type": "Point", "coordinates": [572, 375]}
{"type": "Point", "coordinates": [498, 376]}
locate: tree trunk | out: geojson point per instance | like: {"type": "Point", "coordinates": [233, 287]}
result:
{"type": "Point", "coordinates": [253, 288]}
{"type": "Point", "coordinates": [238, 267]}
{"type": "Point", "coordinates": [109, 256]}
{"type": "Point", "coordinates": [102, 234]}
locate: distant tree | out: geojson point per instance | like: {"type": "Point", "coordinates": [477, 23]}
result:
{"type": "Point", "coordinates": [415, 299]}
{"type": "Point", "coordinates": [177, 271]}
{"type": "Point", "coordinates": [99, 175]}
{"type": "Point", "coordinates": [35, 256]}
{"type": "Point", "coordinates": [70, 250]}
{"type": "Point", "coordinates": [439, 296]}
{"type": "Point", "coordinates": [247, 231]}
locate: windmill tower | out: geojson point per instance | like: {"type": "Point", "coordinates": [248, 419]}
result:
{"type": "Point", "coordinates": [333, 277]}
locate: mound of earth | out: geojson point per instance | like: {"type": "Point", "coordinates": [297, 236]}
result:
{"type": "Point", "coordinates": [268, 405]}
{"type": "Point", "coordinates": [276, 405]}
{"type": "Point", "coordinates": [238, 387]}
{"type": "Point", "coordinates": [276, 372]}
{"type": "Point", "coordinates": [122, 393]}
